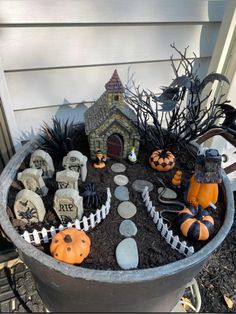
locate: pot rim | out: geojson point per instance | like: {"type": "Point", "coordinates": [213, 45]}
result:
{"type": "Point", "coordinates": [106, 276]}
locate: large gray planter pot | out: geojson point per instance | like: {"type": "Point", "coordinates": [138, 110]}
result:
{"type": "Point", "coordinates": [68, 288]}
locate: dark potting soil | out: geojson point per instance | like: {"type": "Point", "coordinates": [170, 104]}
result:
{"type": "Point", "coordinates": [152, 248]}
{"type": "Point", "coordinates": [217, 278]}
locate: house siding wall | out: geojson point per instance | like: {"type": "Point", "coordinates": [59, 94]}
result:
{"type": "Point", "coordinates": [57, 55]}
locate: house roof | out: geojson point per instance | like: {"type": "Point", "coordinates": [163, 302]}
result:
{"type": "Point", "coordinates": [100, 110]}
{"type": "Point", "coordinates": [96, 114]}
{"type": "Point", "coordinates": [115, 84]}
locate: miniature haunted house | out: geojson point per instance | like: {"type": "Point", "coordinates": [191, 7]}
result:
{"type": "Point", "coordinates": [110, 123]}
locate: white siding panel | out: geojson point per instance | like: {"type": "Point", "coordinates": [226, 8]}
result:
{"type": "Point", "coordinates": [30, 121]}
{"type": "Point", "coordinates": [47, 47]}
{"type": "Point", "coordinates": [35, 89]}
{"type": "Point", "coordinates": [109, 11]}
{"type": "Point", "coordinates": [232, 94]}
{"type": "Point", "coordinates": [86, 81]}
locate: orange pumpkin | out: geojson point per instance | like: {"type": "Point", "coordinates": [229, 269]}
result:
{"type": "Point", "coordinates": [99, 165]}
{"type": "Point", "coordinates": [162, 160]}
{"type": "Point", "coordinates": [71, 246]}
{"type": "Point", "coordinates": [196, 224]}
{"type": "Point", "coordinates": [177, 179]}
{"type": "Point", "coordinates": [203, 194]}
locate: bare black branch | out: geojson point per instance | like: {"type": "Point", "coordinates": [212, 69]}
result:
{"type": "Point", "coordinates": [179, 114]}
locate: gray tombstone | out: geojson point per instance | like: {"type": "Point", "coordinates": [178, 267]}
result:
{"type": "Point", "coordinates": [68, 205]}
{"type": "Point", "coordinates": [29, 206]}
{"type": "Point", "coordinates": [67, 179]}
{"type": "Point", "coordinates": [42, 160]}
{"type": "Point", "coordinates": [32, 180]}
{"type": "Point", "coordinates": [76, 161]}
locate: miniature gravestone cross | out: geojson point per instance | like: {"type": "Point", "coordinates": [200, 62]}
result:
{"type": "Point", "coordinates": [29, 206]}
{"type": "Point", "coordinates": [42, 160]}
{"type": "Point", "coordinates": [77, 162]}
{"type": "Point", "coordinates": [68, 205]}
{"type": "Point", "coordinates": [67, 179]}
{"type": "Point", "coordinates": [32, 180]}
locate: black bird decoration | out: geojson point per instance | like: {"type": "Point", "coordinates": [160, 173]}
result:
{"type": "Point", "coordinates": [168, 98]}
{"type": "Point", "coordinates": [168, 105]}
{"type": "Point", "coordinates": [230, 116]}
{"type": "Point", "coordinates": [182, 81]}
{"type": "Point", "coordinates": [229, 122]}
{"type": "Point", "coordinates": [210, 78]}
{"type": "Point", "coordinates": [194, 84]}
{"type": "Point", "coordinates": [179, 113]}
{"type": "Point", "coordinates": [169, 93]}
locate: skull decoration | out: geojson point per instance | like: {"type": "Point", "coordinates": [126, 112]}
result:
{"type": "Point", "coordinates": [77, 162]}
{"type": "Point", "coordinates": [42, 160]}
{"type": "Point", "coordinates": [32, 180]}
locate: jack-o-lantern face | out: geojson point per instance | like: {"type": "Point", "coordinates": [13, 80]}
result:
{"type": "Point", "coordinates": [71, 246]}
{"type": "Point", "coordinates": [162, 160]}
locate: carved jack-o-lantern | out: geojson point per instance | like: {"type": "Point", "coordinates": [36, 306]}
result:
{"type": "Point", "coordinates": [71, 246]}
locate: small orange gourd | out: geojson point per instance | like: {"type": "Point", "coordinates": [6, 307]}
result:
{"type": "Point", "coordinates": [203, 194]}
{"type": "Point", "coordinates": [162, 160]}
{"type": "Point", "coordinates": [177, 179]}
{"type": "Point", "coordinates": [70, 245]}
{"type": "Point", "coordinates": [195, 224]}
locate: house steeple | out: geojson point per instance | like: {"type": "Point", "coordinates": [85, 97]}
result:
{"type": "Point", "coordinates": [114, 90]}
{"type": "Point", "coordinates": [114, 85]}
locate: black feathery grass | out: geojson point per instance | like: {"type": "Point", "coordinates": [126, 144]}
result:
{"type": "Point", "coordinates": [63, 137]}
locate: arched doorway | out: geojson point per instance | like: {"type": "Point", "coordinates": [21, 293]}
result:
{"type": "Point", "coordinates": [115, 146]}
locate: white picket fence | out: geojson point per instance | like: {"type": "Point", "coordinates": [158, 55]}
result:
{"type": "Point", "coordinates": [173, 241]}
{"type": "Point", "coordinates": [45, 235]}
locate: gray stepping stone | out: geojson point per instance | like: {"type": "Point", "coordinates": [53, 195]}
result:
{"type": "Point", "coordinates": [127, 209]}
{"type": "Point", "coordinates": [120, 179]}
{"type": "Point", "coordinates": [128, 228]}
{"type": "Point", "coordinates": [118, 167]}
{"type": "Point", "coordinates": [122, 193]}
{"type": "Point", "coordinates": [139, 185]}
{"type": "Point", "coordinates": [127, 254]}
{"type": "Point", "coordinates": [170, 194]}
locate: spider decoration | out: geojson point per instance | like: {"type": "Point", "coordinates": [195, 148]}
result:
{"type": "Point", "coordinates": [65, 219]}
{"type": "Point", "coordinates": [91, 198]}
{"type": "Point", "coordinates": [29, 213]}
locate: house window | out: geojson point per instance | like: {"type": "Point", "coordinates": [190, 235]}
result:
{"type": "Point", "coordinates": [98, 144]}
{"type": "Point", "coordinates": [116, 97]}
